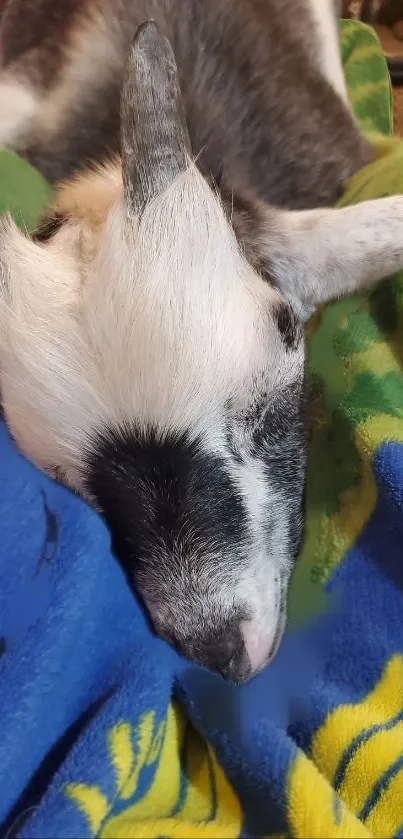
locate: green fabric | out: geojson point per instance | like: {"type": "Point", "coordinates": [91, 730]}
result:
{"type": "Point", "coordinates": [356, 382]}
{"type": "Point", "coordinates": [23, 192]}
{"type": "Point", "coordinates": [367, 77]}
{"type": "Point", "coordinates": [354, 356]}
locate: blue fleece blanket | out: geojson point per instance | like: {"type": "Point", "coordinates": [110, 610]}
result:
{"type": "Point", "coordinates": [105, 732]}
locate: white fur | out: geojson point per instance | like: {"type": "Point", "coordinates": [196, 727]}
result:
{"type": "Point", "coordinates": [170, 325]}
{"type": "Point", "coordinates": [18, 106]}
{"type": "Point", "coordinates": [328, 48]}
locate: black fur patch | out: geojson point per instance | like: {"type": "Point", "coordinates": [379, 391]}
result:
{"type": "Point", "coordinates": [288, 326]}
{"type": "Point", "coordinates": [155, 492]}
{"type": "Point", "coordinates": [49, 227]}
{"type": "Point", "coordinates": [178, 523]}
{"type": "Point", "coordinates": [283, 420]}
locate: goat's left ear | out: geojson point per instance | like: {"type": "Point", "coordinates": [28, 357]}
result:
{"type": "Point", "coordinates": [155, 143]}
{"type": "Point", "coordinates": [315, 256]}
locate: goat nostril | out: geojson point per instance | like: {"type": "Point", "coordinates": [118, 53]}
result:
{"type": "Point", "coordinates": [237, 668]}
{"type": "Point", "coordinates": [226, 668]}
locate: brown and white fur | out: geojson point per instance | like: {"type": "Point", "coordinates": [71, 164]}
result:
{"type": "Point", "coordinates": [151, 341]}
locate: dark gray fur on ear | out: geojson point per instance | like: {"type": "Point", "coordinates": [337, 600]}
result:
{"type": "Point", "coordinates": [154, 138]}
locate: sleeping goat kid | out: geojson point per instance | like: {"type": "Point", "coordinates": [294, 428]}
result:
{"type": "Point", "coordinates": [151, 343]}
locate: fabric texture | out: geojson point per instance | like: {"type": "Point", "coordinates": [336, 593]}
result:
{"type": "Point", "coordinates": [105, 731]}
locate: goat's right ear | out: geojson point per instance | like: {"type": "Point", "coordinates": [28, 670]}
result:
{"type": "Point", "coordinates": [155, 144]}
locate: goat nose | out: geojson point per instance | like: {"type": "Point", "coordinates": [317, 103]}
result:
{"type": "Point", "coordinates": [237, 668]}
{"type": "Point", "coordinates": [228, 656]}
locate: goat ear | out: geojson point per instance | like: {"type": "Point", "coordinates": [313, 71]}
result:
{"type": "Point", "coordinates": [313, 256]}
{"type": "Point", "coordinates": [319, 255]}
{"type": "Point", "coordinates": [155, 143]}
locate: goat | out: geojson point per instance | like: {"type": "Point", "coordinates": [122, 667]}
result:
{"type": "Point", "coordinates": [152, 348]}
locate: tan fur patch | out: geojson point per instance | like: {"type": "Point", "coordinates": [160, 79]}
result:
{"type": "Point", "coordinates": [87, 198]}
